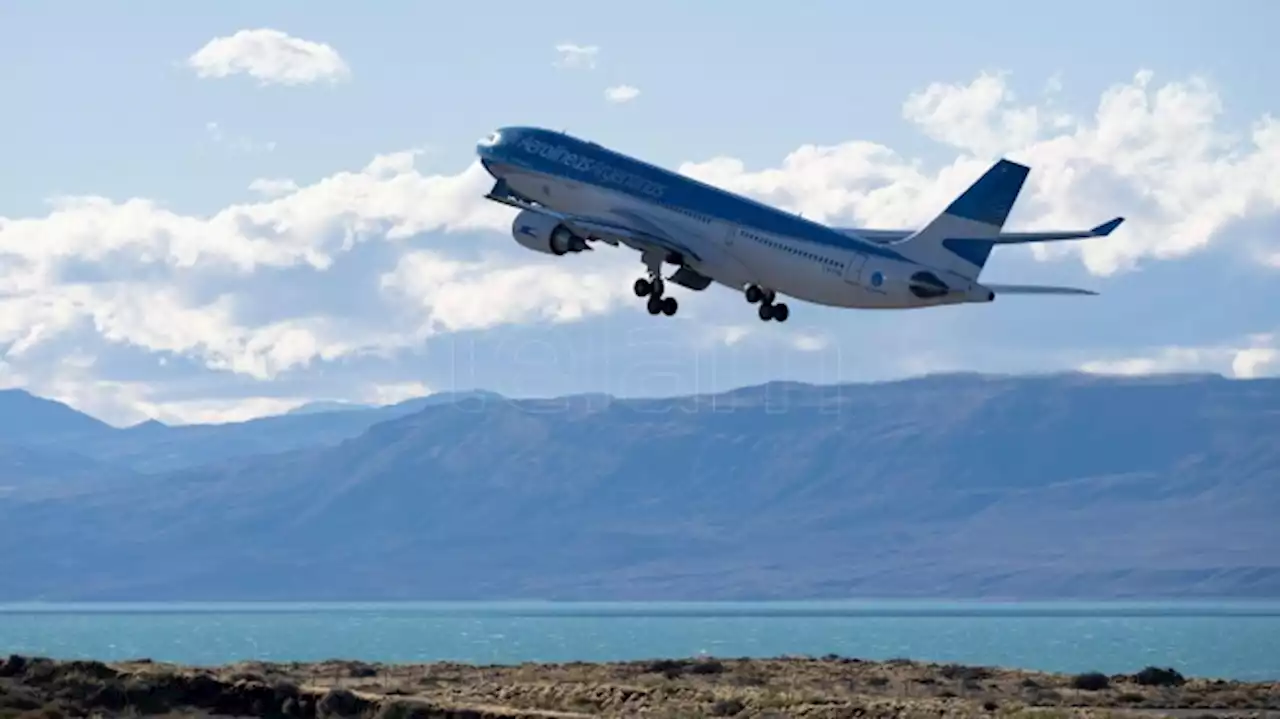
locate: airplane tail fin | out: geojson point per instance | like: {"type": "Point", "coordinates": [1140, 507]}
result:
{"type": "Point", "coordinates": [960, 239]}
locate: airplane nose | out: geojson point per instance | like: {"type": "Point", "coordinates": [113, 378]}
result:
{"type": "Point", "coordinates": [490, 140]}
{"type": "Point", "coordinates": [486, 147]}
{"type": "Point", "coordinates": [486, 151]}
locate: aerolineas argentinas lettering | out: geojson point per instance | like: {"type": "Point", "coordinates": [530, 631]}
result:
{"type": "Point", "coordinates": [603, 171]}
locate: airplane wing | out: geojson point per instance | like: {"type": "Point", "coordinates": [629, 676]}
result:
{"type": "Point", "coordinates": [1036, 290]}
{"type": "Point", "coordinates": [1004, 238]}
{"type": "Point", "coordinates": [882, 237]}
{"type": "Point", "coordinates": [637, 232]}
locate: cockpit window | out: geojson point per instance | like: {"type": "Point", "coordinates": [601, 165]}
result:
{"type": "Point", "coordinates": [492, 138]}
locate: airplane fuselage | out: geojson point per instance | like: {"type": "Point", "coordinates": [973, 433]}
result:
{"type": "Point", "coordinates": [735, 241]}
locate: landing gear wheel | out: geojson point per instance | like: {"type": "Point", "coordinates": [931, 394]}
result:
{"type": "Point", "coordinates": [655, 305]}
{"type": "Point", "coordinates": [781, 312]}
{"type": "Point", "coordinates": [766, 312]}
{"type": "Point", "coordinates": [669, 306]}
{"type": "Point", "coordinates": [643, 287]}
{"type": "Point", "coordinates": [754, 294]}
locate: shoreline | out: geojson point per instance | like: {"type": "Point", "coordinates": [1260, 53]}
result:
{"type": "Point", "coordinates": [819, 688]}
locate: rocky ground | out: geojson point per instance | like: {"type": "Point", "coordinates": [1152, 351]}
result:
{"type": "Point", "coordinates": [800, 687]}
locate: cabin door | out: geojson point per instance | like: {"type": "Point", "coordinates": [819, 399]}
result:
{"type": "Point", "coordinates": [853, 268]}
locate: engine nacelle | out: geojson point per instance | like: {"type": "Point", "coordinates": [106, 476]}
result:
{"type": "Point", "coordinates": [905, 284]}
{"type": "Point", "coordinates": [927, 286]}
{"type": "Point", "coordinates": [542, 233]}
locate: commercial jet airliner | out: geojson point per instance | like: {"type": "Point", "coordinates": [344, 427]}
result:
{"type": "Point", "coordinates": [572, 193]}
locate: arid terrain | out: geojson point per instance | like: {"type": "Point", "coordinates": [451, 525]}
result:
{"type": "Point", "coordinates": [785, 687]}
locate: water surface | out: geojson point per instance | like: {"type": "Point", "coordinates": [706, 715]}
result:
{"type": "Point", "coordinates": [1222, 639]}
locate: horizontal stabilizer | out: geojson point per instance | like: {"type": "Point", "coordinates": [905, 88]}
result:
{"type": "Point", "coordinates": [1011, 238]}
{"type": "Point", "coordinates": [889, 236]}
{"type": "Point", "coordinates": [1037, 290]}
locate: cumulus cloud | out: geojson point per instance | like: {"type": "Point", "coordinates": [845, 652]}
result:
{"type": "Point", "coordinates": [388, 199]}
{"type": "Point", "coordinates": [809, 342]}
{"type": "Point", "coordinates": [245, 291]}
{"type": "Point", "coordinates": [1256, 356]}
{"type": "Point", "coordinates": [273, 187]}
{"type": "Point", "coordinates": [729, 335]}
{"type": "Point", "coordinates": [979, 117]}
{"type": "Point", "coordinates": [621, 93]}
{"type": "Point", "coordinates": [761, 335]}
{"type": "Point", "coordinates": [393, 392]}
{"type": "Point", "coordinates": [571, 56]}
{"type": "Point", "coordinates": [1154, 153]}
{"type": "Point", "coordinates": [456, 296]}
{"type": "Point", "coordinates": [166, 310]}
{"type": "Point", "coordinates": [271, 57]}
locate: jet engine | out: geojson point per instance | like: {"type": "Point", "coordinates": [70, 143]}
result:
{"type": "Point", "coordinates": [543, 233]}
{"type": "Point", "coordinates": [927, 286]}
{"type": "Point", "coordinates": [921, 285]}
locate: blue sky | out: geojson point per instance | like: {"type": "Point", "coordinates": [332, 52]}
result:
{"type": "Point", "coordinates": [187, 237]}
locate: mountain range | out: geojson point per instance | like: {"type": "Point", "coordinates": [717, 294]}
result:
{"type": "Point", "coordinates": [956, 486]}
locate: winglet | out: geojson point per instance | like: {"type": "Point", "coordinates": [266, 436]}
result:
{"type": "Point", "coordinates": [1106, 228]}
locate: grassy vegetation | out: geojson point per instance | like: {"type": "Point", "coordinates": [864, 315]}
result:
{"type": "Point", "coordinates": [826, 688]}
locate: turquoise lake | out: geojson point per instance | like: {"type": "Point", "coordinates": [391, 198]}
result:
{"type": "Point", "coordinates": [1228, 640]}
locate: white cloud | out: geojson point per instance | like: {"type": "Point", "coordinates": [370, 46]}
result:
{"type": "Point", "coordinates": [1156, 154]}
{"type": "Point", "coordinates": [128, 402]}
{"type": "Point", "coordinates": [1053, 85]}
{"type": "Point", "coordinates": [573, 56]}
{"type": "Point", "coordinates": [979, 117]}
{"type": "Point", "coordinates": [1258, 356]}
{"type": "Point", "coordinates": [363, 266]}
{"type": "Point", "coordinates": [621, 93]}
{"type": "Point", "coordinates": [273, 187]}
{"type": "Point", "coordinates": [809, 342]}
{"type": "Point", "coordinates": [760, 335]}
{"type": "Point", "coordinates": [394, 392]}
{"type": "Point", "coordinates": [388, 199]}
{"type": "Point", "coordinates": [136, 276]}
{"type": "Point", "coordinates": [456, 296]}
{"type": "Point", "coordinates": [729, 335]}
{"type": "Point", "coordinates": [270, 56]}
{"type": "Point", "coordinates": [218, 411]}
{"type": "Point", "coordinates": [1255, 362]}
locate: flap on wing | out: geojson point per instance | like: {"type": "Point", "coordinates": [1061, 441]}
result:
{"type": "Point", "coordinates": [601, 229]}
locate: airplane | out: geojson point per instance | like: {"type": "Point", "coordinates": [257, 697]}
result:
{"type": "Point", "coordinates": [572, 193]}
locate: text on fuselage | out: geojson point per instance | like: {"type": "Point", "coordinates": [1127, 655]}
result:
{"type": "Point", "coordinates": [601, 170]}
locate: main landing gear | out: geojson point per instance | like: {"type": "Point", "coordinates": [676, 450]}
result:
{"type": "Point", "coordinates": [768, 310]}
{"type": "Point", "coordinates": [653, 289]}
